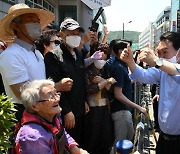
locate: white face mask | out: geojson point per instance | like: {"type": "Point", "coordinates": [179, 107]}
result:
{"type": "Point", "coordinates": [172, 60]}
{"type": "Point", "coordinates": [99, 64]}
{"type": "Point", "coordinates": [54, 46]}
{"type": "Point", "coordinates": [73, 41]}
{"type": "Point", "coordinates": [33, 30]}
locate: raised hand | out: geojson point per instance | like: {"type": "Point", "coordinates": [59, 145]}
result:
{"type": "Point", "coordinates": [65, 84]}
{"type": "Point", "coordinates": [148, 56]}
{"type": "Point", "coordinates": [97, 55]}
{"type": "Point", "coordinates": [106, 31]}
{"type": "Point", "coordinates": [97, 79]}
{"type": "Point", "coordinates": [111, 80]}
{"type": "Point", "coordinates": [93, 38]}
{"type": "Point", "coordinates": [127, 55]}
{"type": "Point", "coordinates": [86, 37]}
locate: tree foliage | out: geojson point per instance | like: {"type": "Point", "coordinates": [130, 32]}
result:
{"type": "Point", "coordinates": [129, 35]}
{"type": "Point", "coordinates": [7, 122]}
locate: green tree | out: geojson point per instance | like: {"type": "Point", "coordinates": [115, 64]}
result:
{"type": "Point", "coordinates": [7, 122]}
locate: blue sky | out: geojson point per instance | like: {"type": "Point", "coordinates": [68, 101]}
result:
{"type": "Point", "coordinates": [140, 12]}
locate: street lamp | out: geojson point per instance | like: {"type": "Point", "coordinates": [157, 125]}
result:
{"type": "Point", "coordinates": [123, 27]}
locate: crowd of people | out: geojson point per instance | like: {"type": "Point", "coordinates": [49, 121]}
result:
{"type": "Point", "coordinates": [71, 99]}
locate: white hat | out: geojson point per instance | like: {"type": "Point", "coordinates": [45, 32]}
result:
{"type": "Point", "coordinates": [70, 24]}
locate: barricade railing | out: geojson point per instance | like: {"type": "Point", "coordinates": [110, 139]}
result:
{"type": "Point", "coordinates": [141, 122]}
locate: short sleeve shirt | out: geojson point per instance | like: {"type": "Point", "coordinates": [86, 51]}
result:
{"type": "Point", "coordinates": [119, 71]}
{"type": "Point", "coordinates": [19, 64]}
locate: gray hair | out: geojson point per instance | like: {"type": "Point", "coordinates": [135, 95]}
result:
{"type": "Point", "coordinates": [30, 92]}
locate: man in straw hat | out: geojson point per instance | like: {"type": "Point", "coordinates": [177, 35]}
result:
{"type": "Point", "coordinates": [20, 62]}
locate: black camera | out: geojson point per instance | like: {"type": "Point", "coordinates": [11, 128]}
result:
{"type": "Point", "coordinates": [94, 26]}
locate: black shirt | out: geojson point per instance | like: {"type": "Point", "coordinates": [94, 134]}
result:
{"type": "Point", "coordinates": [73, 100]}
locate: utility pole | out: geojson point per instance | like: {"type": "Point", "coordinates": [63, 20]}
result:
{"type": "Point", "coordinates": [123, 27]}
{"type": "Point", "coordinates": [123, 30]}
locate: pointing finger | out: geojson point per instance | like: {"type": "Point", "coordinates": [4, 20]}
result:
{"type": "Point", "coordinates": [147, 45]}
{"type": "Point", "coordinates": [128, 48]}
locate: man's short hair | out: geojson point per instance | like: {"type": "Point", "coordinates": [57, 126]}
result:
{"type": "Point", "coordinates": [173, 37]}
{"type": "Point", "coordinates": [118, 44]}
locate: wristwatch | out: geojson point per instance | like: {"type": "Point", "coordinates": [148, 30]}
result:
{"type": "Point", "coordinates": [159, 62]}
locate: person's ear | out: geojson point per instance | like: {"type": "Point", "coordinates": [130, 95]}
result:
{"type": "Point", "coordinates": [61, 34]}
{"type": "Point", "coordinates": [119, 51]}
{"type": "Point", "coordinates": [34, 107]}
{"type": "Point", "coordinates": [44, 46]}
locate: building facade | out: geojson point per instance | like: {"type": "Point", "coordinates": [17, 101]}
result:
{"type": "Point", "coordinates": [155, 29]}
{"type": "Point", "coordinates": [175, 16]}
{"type": "Point", "coordinates": [147, 36]}
{"type": "Point", "coordinates": [162, 24]}
{"type": "Point", "coordinates": [61, 8]}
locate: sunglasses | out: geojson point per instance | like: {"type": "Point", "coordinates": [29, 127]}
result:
{"type": "Point", "coordinates": [56, 42]}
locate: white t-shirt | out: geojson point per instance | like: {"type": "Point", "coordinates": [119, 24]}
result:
{"type": "Point", "coordinates": [19, 64]}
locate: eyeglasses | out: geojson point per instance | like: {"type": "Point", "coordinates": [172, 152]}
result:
{"type": "Point", "coordinates": [52, 97]}
{"type": "Point", "coordinates": [57, 42]}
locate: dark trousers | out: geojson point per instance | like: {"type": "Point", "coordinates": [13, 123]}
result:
{"type": "Point", "coordinates": [98, 130]}
{"type": "Point", "coordinates": [155, 110]}
{"type": "Point", "coordinates": [77, 133]}
{"type": "Point", "coordinates": [165, 146]}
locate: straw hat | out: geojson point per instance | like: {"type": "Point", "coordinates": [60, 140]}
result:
{"type": "Point", "coordinates": [6, 32]}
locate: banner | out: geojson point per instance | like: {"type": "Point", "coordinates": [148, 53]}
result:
{"type": "Point", "coordinates": [96, 4]}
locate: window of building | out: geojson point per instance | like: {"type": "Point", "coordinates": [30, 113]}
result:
{"type": "Point", "coordinates": [29, 3]}
{"type": "Point", "coordinates": [45, 4]}
{"type": "Point", "coordinates": [167, 18]}
{"type": "Point", "coordinates": [37, 6]}
{"type": "Point", "coordinates": [67, 11]}
{"type": "Point", "coordinates": [38, 2]}
{"type": "Point", "coordinates": [42, 4]}
{"type": "Point", "coordinates": [12, 2]}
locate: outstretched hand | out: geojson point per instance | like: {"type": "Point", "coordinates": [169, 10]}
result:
{"type": "Point", "coordinates": [127, 55]}
{"type": "Point", "coordinates": [97, 55]}
{"type": "Point", "coordinates": [148, 56]}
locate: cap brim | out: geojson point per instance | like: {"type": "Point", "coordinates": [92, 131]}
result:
{"type": "Point", "coordinates": [76, 27]}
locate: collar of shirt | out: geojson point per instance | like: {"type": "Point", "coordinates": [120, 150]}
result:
{"type": "Point", "coordinates": [24, 44]}
{"type": "Point", "coordinates": [67, 52]}
{"type": "Point", "coordinates": [120, 61]}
